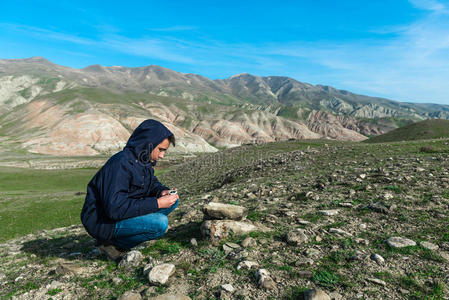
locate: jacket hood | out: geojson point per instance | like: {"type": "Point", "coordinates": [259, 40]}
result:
{"type": "Point", "coordinates": [146, 137]}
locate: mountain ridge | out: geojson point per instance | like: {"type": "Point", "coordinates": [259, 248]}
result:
{"type": "Point", "coordinates": [222, 112]}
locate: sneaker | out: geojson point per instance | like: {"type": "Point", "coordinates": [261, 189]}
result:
{"type": "Point", "coordinates": [112, 252]}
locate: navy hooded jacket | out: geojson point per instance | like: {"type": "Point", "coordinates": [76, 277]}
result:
{"type": "Point", "coordinates": [125, 187]}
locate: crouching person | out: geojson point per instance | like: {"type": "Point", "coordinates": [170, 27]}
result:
{"type": "Point", "coordinates": [125, 203]}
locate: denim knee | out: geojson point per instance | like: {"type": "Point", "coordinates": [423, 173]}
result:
{"type": "Point", "coordinates": [158, 223]}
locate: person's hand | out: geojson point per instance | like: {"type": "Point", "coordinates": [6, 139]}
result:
{"type": "Point", "coordinates": [167, 200]}
{"type": "Point", "coordinates": [166, 192]}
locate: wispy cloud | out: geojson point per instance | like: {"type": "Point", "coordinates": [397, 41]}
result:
{"type": "Point", "coordinates": [431, 5]}
{"type": "Point", "coordinates": [156, 48]}
{"type": "Point", "coordinates": [41, 33]}
{"type": "Point", "coordinates": [173, 28]}
{"type": "Point", "coordinates": [407, 63]}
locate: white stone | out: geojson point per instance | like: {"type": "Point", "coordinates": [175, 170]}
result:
{"type": "Point", "coordinates": [339, 231]}
{"type": "Point", "coordinates": [264, 279]}
{"type": "Point", "coordinates": [170, 297]}
{"type": "Point", "coordinates": [400, 242]}
{"type": "Point", "coordinates": [223, 211]}
{"type": "Point", "coordinates": [429, 246]}
{"type": "Point", "coordinates": [131, 259]}
{"type": "Point", "coordinates": [329, 212]}
{"type": "Point", "coordinates": [130, 296]}
{"type": "Point", "coordinates": [297, 237]}
{"type": "Point", "coordinates": [377, 281]}
{"type": "Point", "coordinates": [228, 288]}
{"type": "Point", "coordinates": [377, 258]}
{"type": "Point", "coordinates": [246, 265]}
{"type": "Point", "coordinates": [249, 242]}
{"type": "Point", "coordinates": [161, 273]}
{"type": "Point", "coordinates": [219, 229]}
{"type": "Point", "coordinates": [315, 294]}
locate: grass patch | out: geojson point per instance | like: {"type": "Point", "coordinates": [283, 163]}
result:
{"type": "Point", "coordinates": [326, 278]}
{"type": "Point", "coordinates": [295, 292]}
{"type": "Point", "coordinates": [162, 247]}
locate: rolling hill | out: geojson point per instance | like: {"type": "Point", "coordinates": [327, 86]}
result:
{"type": "Point", "coordinates": [424, 130]}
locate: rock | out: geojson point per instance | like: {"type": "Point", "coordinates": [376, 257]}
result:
{"type": "Point", "coordinates": [160, 273]}
{"type": "Point", "coordinates": [189, 215]}
{"type": "Point", "coordinates": [130, 296]}
{"type": "Point", "coordinates": [170, 297]}
{"type": "Point", "coordinates": [362, 226]}
{"type": "Point", "coordinates": [346, 204]}
{"type": "Point", "coordinates": [315, 294]}
{"type": "Point", "coordinates": [311, 252]}
{"type": "Point", "coordinates": [290, 214]}
{"type": "Point", "coordinates": [297, 237]}
{"type": "Point", "coordinates": [400, 242]}
{"type": "Point", "coordinates": [228, 288]}
{"type": "Point", "coordinates": [429, 246]}
{"type": "Point", "coordinates": [117, 280]}
{"type": "Point", "coordinates": [53, 285]}
{"type": "Point", "coordinates": [220, 229]}
{"type": "Point", "coordinates": [238, 254]}
{"type": "Point", "coordinates": [377, 258]}
{"type": "Point", "coordinates": [131, 259]}
{"type": "Point", "coordinates": [229, 247]}
{"type": "Point", "coordinates": [69, 269]}
{"type": "Point", "coordinates": [335, 296]}
{"type": "Point", "coordinates": [387, 196]}
{"type": "Point", "coordinates": [194, 242]}
{"type": "Point", "coordinates": [147, 268]}
{"type": "Point", "coordinates": [249, 242]}
{"type": "Point", "coordinates": [329, 212]}
{"type": "Point", "coordinates": [358, 255]}
{"type": "Point", "coordinates": [246, 265]}
{"type": "Point", "coordinates": [305, 274]}
{"type": "Point", "coordinates": [377, 281]}
{"type": "Point", "coordinates": [380, 207]}
{"type": "Point", "coordinates": [339, 231]}
{"type": "Point", "coordinates": [221, 211]}
{"type": "Point", "coordinates": [444, 255]}
{"type": "Point", "coordinates": [264, 279]}
{"type": "Point", "coordinates": [304, 261]}
{"type": "Point", "coordinates": [304, 222]}
{"type": "Point", "coordinates": [362, 241]}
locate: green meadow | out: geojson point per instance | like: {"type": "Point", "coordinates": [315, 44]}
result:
{"type": "Point", "coordinates": [32, 200]}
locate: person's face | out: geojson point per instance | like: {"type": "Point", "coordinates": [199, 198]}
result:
{"type": "Point", "coordinates": [159, 151]}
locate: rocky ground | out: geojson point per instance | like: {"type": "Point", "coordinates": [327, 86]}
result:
{"type": "Point", "coordinates": [352, 221]}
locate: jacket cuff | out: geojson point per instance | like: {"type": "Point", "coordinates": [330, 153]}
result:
{"type": "Point", "coordinates": [149, 205]}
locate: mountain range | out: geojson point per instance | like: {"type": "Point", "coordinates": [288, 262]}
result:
{"type": "Point", "coordinates": [51, 109]}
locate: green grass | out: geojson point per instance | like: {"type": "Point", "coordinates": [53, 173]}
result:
{"type": "Point", "coordinates": [32, 200]}
{"type": "Point", "coordinates": [326, 278]}
{"type": "Point", "coordinates": [161, 247]}
{"type": "Point", "coordinates": [38, 181]}
{"type": "Point", "coordinates": [428, 129]}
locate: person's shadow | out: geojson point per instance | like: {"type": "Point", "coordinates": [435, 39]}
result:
{"type": "Point", "coordinates": [71, 246]}
{"type": "Point", "coordinates": [82, 246]}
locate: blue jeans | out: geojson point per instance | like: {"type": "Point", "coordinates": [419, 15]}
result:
{"type": "Point", "coordinates": [130, 232]}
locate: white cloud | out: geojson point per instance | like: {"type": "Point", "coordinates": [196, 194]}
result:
{"type": "Point", "coordinates": [431, 5]}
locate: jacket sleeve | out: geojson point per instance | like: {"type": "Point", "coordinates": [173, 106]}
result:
{"type": "Point", "coordinates": [157, 187]}
{"type": "Point", "coordinates": [117, 205]}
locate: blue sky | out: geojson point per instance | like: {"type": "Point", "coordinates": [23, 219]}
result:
{"type": "Point", "coordinates": [390, 48]}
